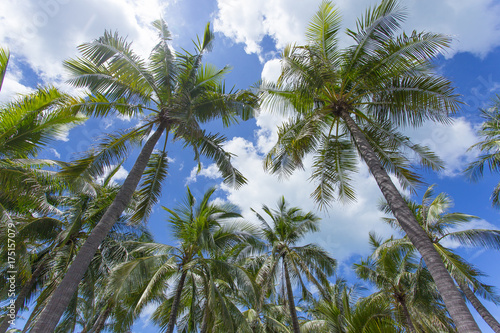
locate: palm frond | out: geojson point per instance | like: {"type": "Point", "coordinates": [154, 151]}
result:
{"type": "Point", "coordinates": [150, 188]}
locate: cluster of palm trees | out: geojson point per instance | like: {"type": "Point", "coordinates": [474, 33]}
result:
{"type": "Point", "coordinates": [85, 259]}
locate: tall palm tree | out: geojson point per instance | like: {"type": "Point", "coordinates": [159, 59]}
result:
{"type": "Point", "coordinates": [173, 94]}
{"type": "Point", "coordinates": [203, 230]}
{"type": "Point", "coordinates": [287, 228]}
{"type": "Point", "coordinates": [490, 157]}
{"type": "Point", "coordinates": [402, 279]}
{"type": "Point", "coordinates": [351, 101]}
{"type": "Point", "coordinates": [46, 244]}
{"type": "Point", "coordinates": [441, 226]}
{"type": "Point", "coordinates": [346, 312]}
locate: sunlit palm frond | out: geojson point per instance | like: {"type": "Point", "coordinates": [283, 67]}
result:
{"type": "Point", "coordinates": [4, 61]}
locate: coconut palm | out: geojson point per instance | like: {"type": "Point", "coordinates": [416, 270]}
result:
{"type": "Point", "coordinates": [490, 157]}
{"type": "Point", "coordinates": [173, 93]}
{"type": "Point", "coordinates": [287, 227]}
{"type": "Point", "coordinates": [401, 278]}
{"type": "Point", "coordinates": [46, 245]}
{"type": "Point", "coordinates": [442, 226]}
{"type": "Point", "coordinates": [192, 269]}
{"type": "Point", "coordinates": [351, 102]}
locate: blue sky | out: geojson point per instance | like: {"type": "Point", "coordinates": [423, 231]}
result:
{"type": "Point", "coordinates": [250, 34]}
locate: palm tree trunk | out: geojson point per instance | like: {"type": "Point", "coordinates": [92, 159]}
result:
{"type": "Point", "coordinates": [406, 314]}
{"type": "Point", "coordinates": [22, 296]}
{"type": "Point", "coordinates": [101, 320]}
{"type": "Point", "coordinates": [68, 286]}
{"type": "Point", "coordinates": [451, 296]}
{"type": "Point", "coordinates": [291, 302]}
{"type": "Point", "coordinates": [176, 303]}
{"type": "Point", "coordinates": [480, 308]}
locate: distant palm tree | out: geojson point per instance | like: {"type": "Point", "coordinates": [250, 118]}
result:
{"type": "Point", "coordinates": [173, 94]}
{"type": "Point", "coordinates": [346, 312]}
{"type": "Point", "coordinates": [397, 273]}
{"type": "Point", "coordinates": [47, 244]}
{"type": "Point", "coordinates": [350, 102]}
{"type": "Point", "coordinates": [441, 226]}
{"type": "Point", "coordinates": [489, 147]}
{"type": "Point", "coordinates": [287, 227]}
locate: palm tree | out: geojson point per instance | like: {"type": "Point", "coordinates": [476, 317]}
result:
{"type": "Point", "coordinates": [203, 231]}
{"type": "Point", "coordinates": [402, 279]}
{"type": "Point", "coordinates": [174, 93]}
{"type": "Point", "coordinates": [441, 226]}
{"type": "Point", "coordinates": [346, 312]}
{"type": "Point", "coordinates": [490, 132]}
{"type": "Point", "coordinates": [288, 226]}
{"type": "Point", "coordinates": [46, 245]}
{"type": "Point", "coordinates": [351, 102]}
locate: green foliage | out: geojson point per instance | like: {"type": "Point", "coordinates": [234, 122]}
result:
{"type": "Point", "coordinates": [488, 147]}
{"type": "Point", "coordinates": [383, 81]}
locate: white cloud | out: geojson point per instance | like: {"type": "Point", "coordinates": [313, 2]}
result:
{"type": "Point", "coordinates": [146, 314]}
{"type": "Point", "coordinates": [344, 228]}
{"type": "Point", "coordinates": [472, 24]}
{"type": "Point", "coordinates": [449, 142]}
{"type": "Point", "coordinates": [55, 152]}
{"type": "Point", "coordinates": [44, 33]}
{"type": "Point", "coordinates": [11, 85]}
{"type": "Point", "coordinates": [212, 172]}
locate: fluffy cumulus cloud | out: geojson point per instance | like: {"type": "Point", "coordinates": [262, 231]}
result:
{"type": "Point", "coordinates": [211, 172]}
{"type": "Point", "coordinates": [41, 34]}
{"type": "Point", "coordinates": [472, 24]}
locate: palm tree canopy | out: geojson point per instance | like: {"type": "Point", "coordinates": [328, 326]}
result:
{"type": "Point", "coordinates": [173, 90]}
{"type": "Point", "coordinates": [384, 80]}
{"type": "Point", "coordinates": [396, 271]}
{"type": "Point", "coordinates": [287, 227]}
{"type": "Point", "coordinates": [441, 226]}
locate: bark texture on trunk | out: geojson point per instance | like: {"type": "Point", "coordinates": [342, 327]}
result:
{"type": "Point", "coordinates": [22, 296]}
{"type": "Point", "coordinates": [480, 308]}
{"type": "Point", "coordinates": [176, 303]}
{"type": "Point", "coordinates": [291, 302]}
{"type": "Point", "coordinates": [451, 296]}
{"type": "Point", "coordinates": [60, 299]}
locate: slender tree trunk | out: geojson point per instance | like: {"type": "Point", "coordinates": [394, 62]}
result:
{"type": "Point", "coordinates": [22, 296]}
{"type": "Point", "coordinates": [451, 296]}
{"type": "Point", "coordinates": [60, 299]}
{"type": "Point", "coordinates": [175, 304]}
{"type": "Point", "coordinates": [480, 308]}
{"type": "Point", "coordinates": [291, 302]}
{"type": "Point", "coordinates": [204, 323]}
{"type": "Point", "coordinates": [406, 314]}
{"type": "Point", "coordinates": [101, 320]}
